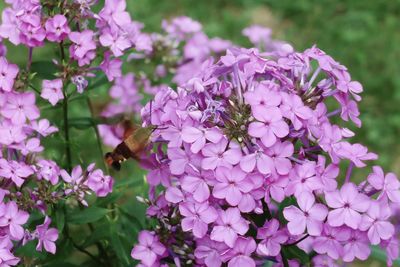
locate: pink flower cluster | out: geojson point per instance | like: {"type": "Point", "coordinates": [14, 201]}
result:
{"type": "Point", "coordinates": [248, 158]}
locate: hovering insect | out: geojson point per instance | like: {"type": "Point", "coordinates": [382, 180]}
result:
{"type": "Point", "coordinates": [135, 141]}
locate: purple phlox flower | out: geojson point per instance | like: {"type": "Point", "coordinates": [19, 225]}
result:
{"type": "Point", "coordinates": [83, 47]}
{"type": "Point", "coordinates": [309, 215]}
{"type": "Point", "coordinates": [174, 195]}
{"type": "Point", "coordinates": [181, 159]}
{"type": "Point", "coordinates": [229, 224]}
{"type": "Point", "coordinates": [257, 159]}
{"type": "Point", "coordinates": [197, 186]}
{"type": "Point", "coordinates": [197, 216]}
{"type": "Point", "coordinates": [272, 238]}
{"type": "Point", "coordinates": [159, 171]}
{"type": "Point", "coordinates": [43, 127]}
{"type": "Point", "coordinates": [31, 145]}
{"type": "Point", "coordinates": [269, 127]}
{"type": "Point", "coordinates": [6, 257]}
{"type": "Point", "coordinates": [80, 82]}
{"type": "Point", "coordinates": [275, 188]}
{"type": "Point", "coordinates": [9, 27]}
{"type": "Point", "coordinates": [241, 253]}
{"type": "Point", "coordinates": [376, 221]}
{"type": "Point", "coordinates": [16, 171]}
{"type": "Point", "coordinates": [8, 73]}
{"type": "Point", "coordinates": [356, 247]}
{"type": "Point", "coordinates": [13, 218]}
{"type": "Point", "coordinates": [349, 110]}
{"type": "Point", "coordinates": [330, 241]}
{"type": "Point", "coordinates": [48, 170]}
{"type": "Point", "coordinates": [149, 249]}
{"type": "Point", "coordinates": [52, 91]}
{"type": "Point", "coordinates": [46, 236]}
{"type": "Point", "coordinates": [74, 180]}
{"type": "Point", "coordinates": [392, 250]}
{"type": "Point", "coordinates": [111, 67]}
{"type": "Point", "coordinates": [354, 87]}
{"type": "Point", "coordinates": [11, 133]}
{"type": "Point", "coordinates": [117, 42]}
{"type": "Point", "coordinates": [329, 140]}
{"type": "Point", "coordinates": [293, 108]}
{"type": "Point", "coordinates": [220, 154]}
{"type": "Point", "coordinates": [231, 184]}
{"type": "Point", "coordinates": [19, 107]}
{"type": "Point", "coordinates": [327, 175]}
{"type": "Point", "coordinates": [303, 178]}
{"type": "Point", "coordinates": [114, 12]}
{"type": "Point", "coordinates": [279, 154]}
{"type": "Point", "coordinates": [388, 185]}
{"type": "Point", "coordinates": [57, 28]}
{"type": "Point", "coordinates": [263, 97]}
{"type": "Point", "coordinates": [99, 183]}
{"type": "Point", "coordinates": [197, 137]}
{"type": "Point", "coordinates": [347, 204]}
{"type": "Point", "coordinates": [181, 27]}
{"type": "Point", "coordinates": [258, 35]}
{"type": "Point", "coordinates": [323, 261]}
{"type": "Point", "coordinates": [357, 153]}
{"type": "Point", "coordinates": [32, 32]}
{"type": "Point", "coordinates": [210, 252]}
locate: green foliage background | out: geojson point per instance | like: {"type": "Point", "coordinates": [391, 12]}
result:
{"type": "Point", "coordinates": [362, 35]}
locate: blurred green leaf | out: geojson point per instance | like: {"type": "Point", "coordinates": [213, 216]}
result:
{"type": "Point", "coordinates": [44, 69]}
{"type": "Point", "coordinates": [88, 215]}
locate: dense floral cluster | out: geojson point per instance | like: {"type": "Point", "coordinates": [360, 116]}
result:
{"type": "Point", "coordinates": [243, 166]}
{"type": "Point", "coordinates": [248, 158]}
{"type": "Point", "coordinates": [31, 184]}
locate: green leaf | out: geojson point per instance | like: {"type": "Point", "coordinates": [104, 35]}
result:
{"type": "Point", "coordinates": [87, 215]}
{"type": "Point", "coordinates": [119, 249]}
{"type": "Point", "coordinates": [44, 69]}
{"type": "Point", "coordinates": [293, 252]}
{"type": "Point", "coordinates": [60, 219]}
{"type": "Point", "coordinates": [380, 255]}
{"type": "Point", "coordinates": [81, 123]}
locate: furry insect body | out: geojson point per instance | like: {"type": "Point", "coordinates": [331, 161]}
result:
{"type": "Point", "coordinates": [132, 146]}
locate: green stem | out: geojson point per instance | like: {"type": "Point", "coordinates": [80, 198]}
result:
{"type": "Point", "coordinates": [98, 138]}
{"type": "Point", "coordinates": [66, 132]}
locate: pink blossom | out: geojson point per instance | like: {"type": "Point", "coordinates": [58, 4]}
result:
{"type": "Point", "coordinates": [219, 154]}
{"type": "Point", "coordinates": [196, 186]}
{"type": "Point", "coordinates": [19, 107]}
{"type": "Point", "coordinates": [198, 137]}
{"type": "Point", "coordinates": [347, 203]}
{"type": "Point", "coordinates": [99, 183]}
{"type": "Point", "coordinates": [229, 225]}
{"type": "Point", "coordinates": [388, 185]}
{"type": "Point", "coordinates": [8, 73]}
{"type": "Point", "coordinates": [242, 251]}
{"type": "Point", "coordinates": [269, 127]}
{"type": "Point", "coordinates": [309, 215]}
{"type": "Point", "coordinates": [57, 28]}
{"type": "Point", "coordinates": [117, 42]}
{"type": "Point", "coordinates": [293, 108]}
{"type": "Point", "coordinates": [197, 216]}
{"type": "Point", "coordinates": [46, 236]}
{"type": "Point", "coordinates": [272, 238]}
{"type": "Point", "coordinates": [48, 170]}
{"type": "Point", "coordinates": [330, 241]}
{"type": "Point", "coordinates": [111, 67]}
{"type": "Point", "coordinates": [13, 218]}
{"type": "Point", "coordinates": [376, 221]}
{"type": "Point", "coordinates": [356, 153]}
{"type": "Point", "coordinates": [356, 247]}
{"type": "Point", "coordinates": [303, 178]}
{"type": "Point", "coordinates": [52, 91]}
{"type": "Point", "coordinates": [16, 171]}
{"type": "Point", "coordinates": [231, 184]}
{"type": "Point", "coordinates": [149, 248]}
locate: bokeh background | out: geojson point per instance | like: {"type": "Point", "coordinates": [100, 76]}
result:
{"type": "Point", "coordinates": [362, 35]}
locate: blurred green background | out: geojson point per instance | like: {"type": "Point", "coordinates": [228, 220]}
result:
{"type": "Point", "coordinates": [362, 35]}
